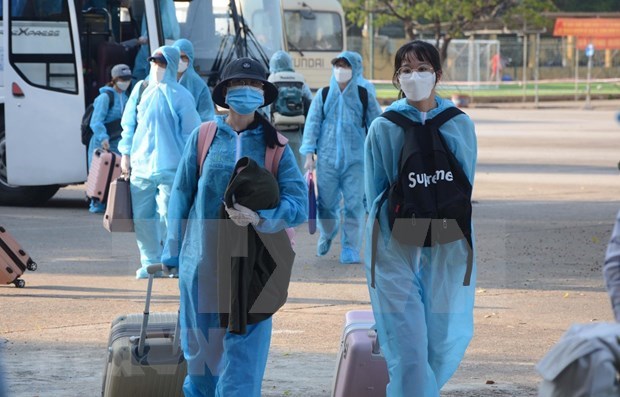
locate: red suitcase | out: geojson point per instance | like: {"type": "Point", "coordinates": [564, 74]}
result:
{"type": "Point", "coordinates": [104, 168]}
{"type": "Point", "coordinates": [13, 260]}
{"type": "Point", "coordinates": [362, 370]}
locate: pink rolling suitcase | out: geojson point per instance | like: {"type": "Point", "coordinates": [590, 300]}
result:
{"type": "Point", "coordinates": [144, 353]}
{"type": "Point", "coordinates": [362, 370]}
{"type": "Point", "coordinates": [13, 260]}
{"type": "Point", "coordinates": [104, 168]}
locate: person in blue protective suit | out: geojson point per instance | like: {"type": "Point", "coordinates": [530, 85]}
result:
{"type": "Point", "coordinates": [171, 31]}
{"type": "Point", "coordinates": [335, 131]}
{"type": "Point", "coordinates": [280, 62]}
{"type": "Point", "coordinates": [611, 270]}
{"type": "Point", "coordinates": [221, 363]}
{"type": "Point", "coordinates": [423, 312]}
{"type": "Point", "coordinates": [360, 78]}
{"type": "Point", "coordinates": [104, 114]}
{"type": "Point", "coordinates": [156, 124]}
{"type": "Point", "coordinates": [189, 79]}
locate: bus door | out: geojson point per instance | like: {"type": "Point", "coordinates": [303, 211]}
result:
{"type": "Point", "coordinates": [44, 93]}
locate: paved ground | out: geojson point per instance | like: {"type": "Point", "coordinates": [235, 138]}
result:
{"type": "Point", "coordinates": [547, 191]}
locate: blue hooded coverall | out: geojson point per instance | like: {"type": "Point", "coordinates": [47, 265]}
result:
{"type": "Point", "coordinates": [172, 31]}
{"type": "Point", "coordinates": [194, 83]}
{"type": "Point", "coordinates": [221, 363]}
{"type": "Point", "coordinates": [335, 131]}
{"type": "Point", "coordinates": [102, 114]}
{"type": "Point", "coordinates": [360, 78]}
{"type": "Point", "coordinates": [281, 61]}
{"type": "Point", "coordinates": [154, 135]}
{"type": "Point", "coordinates": [423, 312]}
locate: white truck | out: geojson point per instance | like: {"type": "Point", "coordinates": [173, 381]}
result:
{"type": "Point", "coordinates": [55, 54]}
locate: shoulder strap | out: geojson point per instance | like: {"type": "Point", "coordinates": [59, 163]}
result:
{"type": "Point", "coordinates": [205, 139]}
{"type": "Point", "coordinates": [363, 93]}
{"type": "Point", "coordinates": [400, 120]}
{"type": "Point", "coordinates": [111, 98]}
{"type": "Point", "coordinates": [206, 134]}
{"type": "Point", "coordinates": [324, 93]}
{"type": "Point", "coordinates": [273, 155]}
{"type": "Point", "coordinates": [444, 116]}
{"type": "Point", "coordinates": [143, 86]}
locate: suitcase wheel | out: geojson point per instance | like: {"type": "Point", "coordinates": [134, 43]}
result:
{"type": "Point", "coordinates": [32, 266]}
{"type": "Point", "coordinates": [19, 283]}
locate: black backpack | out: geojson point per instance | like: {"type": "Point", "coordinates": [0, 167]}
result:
{"type": "Point", "coordinates": [363, 93]}
{"type": "Point", "coordinates": [87, 132]}
{"type": "Point", "coordinates": [430, 202]}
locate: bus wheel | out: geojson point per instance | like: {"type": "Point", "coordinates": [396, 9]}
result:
{"type": "Point", "coordinates": [20, 195]}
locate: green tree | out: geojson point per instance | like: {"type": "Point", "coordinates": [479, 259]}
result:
{"type": "Point", "coordinates": [448, 19]}
{"type": "Point", "coordinates": [588, 6]}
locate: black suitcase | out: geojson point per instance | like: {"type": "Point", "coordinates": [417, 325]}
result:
{"type": "Point", "coordinates": [144, 354]}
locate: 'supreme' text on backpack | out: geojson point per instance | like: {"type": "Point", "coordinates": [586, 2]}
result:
{"type": "Point", "coordinates": [430, 202]}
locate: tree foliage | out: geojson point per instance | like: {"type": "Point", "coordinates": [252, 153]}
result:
{"type": "Point", "coordinates": [588, 6]}
{"type": "Point", "coordinates": [449, 19]}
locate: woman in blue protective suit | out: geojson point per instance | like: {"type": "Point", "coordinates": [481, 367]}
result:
{"type": "Point", "coordinates": [221, 363]}
{"type": "Point", "coordinates": [189, 79]}
{"type": "Point", "coordinates": [335, 132]}
{"type": "Point", "coordinates": [423, 311]}
{"type": "Point", "coordinates": [156, 124]}
{"type": "Point", "coordinates": [104, 114]}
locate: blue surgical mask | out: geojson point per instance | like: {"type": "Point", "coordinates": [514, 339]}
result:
{"type": "Point", "coordinates": [245, 99]}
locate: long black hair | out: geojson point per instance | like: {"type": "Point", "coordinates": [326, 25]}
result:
{"type": "Point", "coordinates": [422, 51]}
{"type": "Point", "coordinates": [269, 131]}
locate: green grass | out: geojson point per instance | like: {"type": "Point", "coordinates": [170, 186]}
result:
{"type": "Point", "coordinates": [509, 90]}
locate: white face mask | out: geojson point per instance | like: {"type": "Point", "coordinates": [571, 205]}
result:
{"type": "Point", "coordinates": [123, 85]}
{"type": "Point", "coordinates": [157, 73]}
{"type": "Point", "coordinates": [182, 66]}
{"type": "Point", "coordinates": [342, 75]}
{"type": "Point", "coordinates": [417, 86]}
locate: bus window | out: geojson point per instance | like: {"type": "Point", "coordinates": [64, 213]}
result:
{"type": "Point", "coordinates": [41, 49]}
{"type": "Point", "coordinates": [319, 31]}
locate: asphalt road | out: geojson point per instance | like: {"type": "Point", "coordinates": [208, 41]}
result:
{"type": "Point", "coordinates": [546, 193]}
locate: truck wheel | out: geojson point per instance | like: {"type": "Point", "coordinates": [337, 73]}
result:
{"type": "Point", "coordinates": [20, 195]}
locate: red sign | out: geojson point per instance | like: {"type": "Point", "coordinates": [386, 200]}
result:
{"type": "Point", "coordinates": [587, 27]}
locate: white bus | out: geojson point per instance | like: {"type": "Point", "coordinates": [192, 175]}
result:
{"type": "Point", "coordinates": [59, 52]}
{"type": "Point", "coordinates": [316, 33]}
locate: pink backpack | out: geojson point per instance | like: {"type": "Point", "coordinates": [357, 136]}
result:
{"type": "Point", "coordinates": [272, 157]}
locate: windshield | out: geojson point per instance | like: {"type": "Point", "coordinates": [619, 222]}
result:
{"type": "Point", "coordinates": [322, 32]}
{"type": "Point", "coordinates": [209, 26]}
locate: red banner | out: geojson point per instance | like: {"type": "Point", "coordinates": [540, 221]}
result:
{"type": "Point", "coordinates": [587, 27]}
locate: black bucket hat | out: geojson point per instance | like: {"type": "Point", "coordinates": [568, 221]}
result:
{"type": "Point", "coordinates": [244, 68]}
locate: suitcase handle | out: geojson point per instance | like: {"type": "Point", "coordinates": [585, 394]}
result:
{"type": "Point", "coordinates": [151, 270]}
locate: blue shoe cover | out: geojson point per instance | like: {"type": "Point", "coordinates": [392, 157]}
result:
{"type": "Point", "coordinates": [349, 256]}
{"type": "Point", "coordinates": [323, 246]}
{"type": "Point", "coordinates": [142, 273]}
{"type": "Point", "coordinates": [96, 207]}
